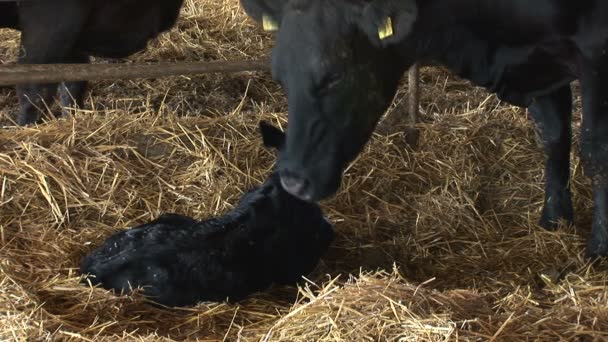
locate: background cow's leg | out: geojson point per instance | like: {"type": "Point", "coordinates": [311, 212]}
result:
{"type": "Point", "coordinates": [552, 114]}
{"type": "Point", "coordinates": [33, 100]}
{"type": "Point", "coordinates": [594, 149]}
{"type": "Point", "coordinates": [405, 114]}
{"type": "Point", "coordinates": [49, 31]}
{"type": "Point", "coordinates": [413, 104]}
{"type": "Point", "coordinates": [71, 94]}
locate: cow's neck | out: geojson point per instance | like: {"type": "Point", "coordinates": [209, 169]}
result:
{"type": "Point", "coordinates": [448, 27]}
{"type": "Point", "coordinates": [479, 39]}
{"type": "Point", "coordinates": [442, 35]}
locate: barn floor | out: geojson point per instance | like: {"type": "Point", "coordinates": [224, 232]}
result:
{"type": "Point", "coordinates": [435, 242]}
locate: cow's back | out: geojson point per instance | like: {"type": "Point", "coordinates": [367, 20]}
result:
{"type": "Point", "coordinates": [8, 15]}
{"type": "Point", "coordinates": [119, 28]}
{"type": "Point", "coordinates": [515, 48]}
{"type": "Point", "coordinates": [170, 11]}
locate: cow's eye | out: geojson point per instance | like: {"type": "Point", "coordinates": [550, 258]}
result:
{"type": "Point", "coordinates": [330, 81]}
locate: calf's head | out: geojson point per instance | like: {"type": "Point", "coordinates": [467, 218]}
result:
{"type": "Point", "coordinates": [301, 233]}
{"type": "Point", "coordinates": [338, 64]}
{"type": "Point", "coordinates": [286, 208]}
{"type": "Point", "coordinates": [274, 204]}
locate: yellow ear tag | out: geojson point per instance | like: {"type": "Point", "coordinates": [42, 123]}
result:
{"type": "Point", "coordinates": [269, 24]}
{"type": "Point", "coordinates": [386, 30]}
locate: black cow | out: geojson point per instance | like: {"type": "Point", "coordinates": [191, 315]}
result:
{"type": "Point", "coordinates": [270, 236]}
{"type": "Point", "coordinates": [70, 31]}
{"type": "Point", "coordinates": [340, 62]}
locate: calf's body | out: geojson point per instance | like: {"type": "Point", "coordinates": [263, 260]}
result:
{"type": "Point", "coordinates": [70, 31]}
{"type": "Point", "coordinates": [340, 63]}
{"type": "Point", "coordinates": [269, 237]}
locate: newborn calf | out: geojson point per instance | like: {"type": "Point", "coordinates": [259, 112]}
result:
{"type": "Point", "coordinates": [270, 236]}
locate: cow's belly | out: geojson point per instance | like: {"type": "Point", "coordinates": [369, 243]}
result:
{"type": "Point", "coordinates": [117, 45]}
{"type": "Point", "coordinates": [9, 16]}
{"type": "Point", "coordinates": [519, 74]}
{"type": "Point", "coordinates": [536, 71]}
{"type": "Point", "coordinates": [119, 29]}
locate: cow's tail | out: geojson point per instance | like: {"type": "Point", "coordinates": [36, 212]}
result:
{"type": "Point", "coordinates": [9, 14]}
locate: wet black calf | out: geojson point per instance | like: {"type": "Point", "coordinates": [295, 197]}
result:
{"type": "Point", "coordinates": [70, 31]}
{"type": "Point", "coordinates": [269, 237]}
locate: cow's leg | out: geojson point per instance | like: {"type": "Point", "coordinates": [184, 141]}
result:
{"type": "Point", "coordinates": [49, 32]}
{"type": "Point", "coordinates": [413, 104]}
{"type": "Point", "coordinates": [594, 148]}
{"type": "Point", "coordinates": [71, 94]}
{"type": "Point", "coordinates": [552, 114]}
{"type": "Point", "coordinates": [33, 100]}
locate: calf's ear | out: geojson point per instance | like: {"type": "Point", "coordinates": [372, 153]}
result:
{"type": "Point", "coordinates": [388, 21]}
{"type": "Point", "coordinates": [269, 12]}
{"type": "Point", "coordinates": [272, 136]}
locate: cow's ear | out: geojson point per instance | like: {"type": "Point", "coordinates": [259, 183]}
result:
{"type": "Point", "coordinates": [268, 12]}
{"type": "Point", "coordinates": [388, 21]}
{"type": "Point", "coordinates": [272, 136]}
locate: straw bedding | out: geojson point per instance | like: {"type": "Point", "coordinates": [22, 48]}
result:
{"type": "Point", "coordinates": [436, 241]}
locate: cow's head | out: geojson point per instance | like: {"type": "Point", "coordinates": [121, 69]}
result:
{"type": "Point", "coordinates": [337, 63]}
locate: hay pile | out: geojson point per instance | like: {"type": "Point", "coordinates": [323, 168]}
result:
{"type": "Point", "coordinates": [437, 242]}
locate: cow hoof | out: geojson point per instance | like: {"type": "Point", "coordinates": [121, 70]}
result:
{"type": "Point", "coordinates": [64, 113]}
{"type": "Point", "coordinates": [28, 118]}
{"type": "Point", "coordinates": [550, 220]}
{"type": "Point", "coordinates": [24, 121]}
{"type": "Point", "coordinates": [597, 245]}
{"type": "Point", "coordinates": [597, 248]}
{"type": "Point", "coordinates": [412, 135]}
{"type": "Point", "coordinates": [557, 208]}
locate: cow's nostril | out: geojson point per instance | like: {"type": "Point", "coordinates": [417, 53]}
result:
{"type": "Point", "coordinates": [296, 185]}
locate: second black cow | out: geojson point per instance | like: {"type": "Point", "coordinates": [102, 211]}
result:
{"type": "Point", "coordinates": [340, 63]}
{"type": "Point", "coordinates": [70, 31]}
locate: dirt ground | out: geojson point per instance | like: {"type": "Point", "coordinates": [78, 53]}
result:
{"type": "Point", "coordinates": [435, 242]}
